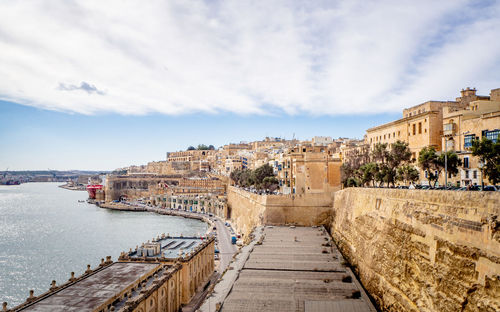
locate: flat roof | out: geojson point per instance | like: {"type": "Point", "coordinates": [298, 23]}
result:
{"type": "Point", "coordinates": [170, 246]}
{"type": "Point", "coordinates": [290, 271]}
{"type": "Point", "coordinates": [94, 290]}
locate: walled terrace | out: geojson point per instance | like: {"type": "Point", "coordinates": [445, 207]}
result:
{"type": "Point", "coordinates": [248, 210]}
{"type": "Point", "coordinates": [296, 269]}
{"type": "Point", "coordinates": [413, 250]}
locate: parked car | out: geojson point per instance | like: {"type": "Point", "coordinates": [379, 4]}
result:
{"type": "Point", "coordinates": [490, 188]}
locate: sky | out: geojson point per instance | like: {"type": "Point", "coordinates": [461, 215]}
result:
{"type": "Point", "coordinates": [106, 84]}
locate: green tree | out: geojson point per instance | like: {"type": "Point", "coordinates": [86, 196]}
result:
{"type": "Point", "coordinates": [399, 153]}
{"type": "Point", "coordinates": [191, 148]}
{"type": "Point", "coordinates": [428, 161]}
{"type": "Point", "coordinates": [489, 154]}
{"type": "Point", "coordinates": [350, 169]}
{"type": "Point", "coordinates": [270, 183]}
{"type": "Point", "coordinates": [407, 173]}
{"type": "Point", "coordinates": [367, 173]}
{"type": "Point", "coordinates": [235, 176]}
{"type": "Point", "coordinates": [434, 164]}
{"type": "Point", "coordinates": [453, 162]}
{"type": "Point", "coordinates": [380, 175]}
{"type": "Point", "coordinates": [262, 172]}
{"type": "Point", "coordinates": [246, 178]}
{"type": "Point", "coordinates": [380, 153]}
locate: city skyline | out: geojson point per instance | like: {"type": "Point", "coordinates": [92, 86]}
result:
{"type": "Point", "coordinates": [125, 84]}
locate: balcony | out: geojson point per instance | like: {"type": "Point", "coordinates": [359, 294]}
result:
{"type": "Point", "coordinates": [448, 129]}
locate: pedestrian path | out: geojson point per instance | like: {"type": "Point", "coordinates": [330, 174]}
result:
{"type": "Point", "coordinates": [222, 289]}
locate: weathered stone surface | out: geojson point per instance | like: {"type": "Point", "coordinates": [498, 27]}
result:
{"type": "Point", "coordinates": [422, 250]}
{"type": "Point", "coordinates": [248, 210]}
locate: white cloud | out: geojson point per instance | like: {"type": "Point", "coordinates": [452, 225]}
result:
{"type": "Point", "coordinates": [255, 57]}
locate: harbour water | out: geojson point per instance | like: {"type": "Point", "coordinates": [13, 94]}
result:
{"type": "Point", "coordinates": [45, 233]}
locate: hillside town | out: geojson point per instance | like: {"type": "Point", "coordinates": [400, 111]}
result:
{"type": "Point", "coordinates": [324, 164]}
{"type": "Point", "coordinates": [348, 196]}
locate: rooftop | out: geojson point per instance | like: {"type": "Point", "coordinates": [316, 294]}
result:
{"type": "Point", "coordinates": [293, 270]}
{"type": "Point", "coordinates": [96, 289]}
{"type": "Point", "coordinates": [168, 247]}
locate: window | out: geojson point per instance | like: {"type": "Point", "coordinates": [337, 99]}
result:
{"type": "Point", "coordinates": [384, 136]}
{"type": "Point", "coordinates": [399, 133]}
{"type": "Point", "coordinates": [414, 129]}
{"type": "Point", "coordinates": [466, 174]}
{"type": "Point", "coordinates": [448, 127]}
{"type": "Point", "coordinates": [468, 140]}
{"type": "Point", "coordinates": [426, 174]}
{"type": "Point", "coordinates": [474, 174]}
{"type": "Point", "coordinates": [419, 128]}
{"type": "Point", "coordinates": [493, 135]}
{"type": "Point", "coordinates": [466, 162]}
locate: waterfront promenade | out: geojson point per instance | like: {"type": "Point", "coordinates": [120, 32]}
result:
{"type": "Point", "coordinates": [227, 250]}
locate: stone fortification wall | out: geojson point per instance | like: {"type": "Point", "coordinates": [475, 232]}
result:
{"type": "Point", "coordinates": [248, 210]}
{"type": "Point", "coordinates": [305, 209]}
{"type": "Point", "coordinates": [417, 250]}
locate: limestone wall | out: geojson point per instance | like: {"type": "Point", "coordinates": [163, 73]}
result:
{"type": "Point", "coordinates": [304, 209]}
{"type": "Point", "coordinates": [248, 210]}
{"type": "Point", "coordinates": [417, 250]}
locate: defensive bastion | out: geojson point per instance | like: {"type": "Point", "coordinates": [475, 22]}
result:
{"type": "Point", "coordinates": [413, 250]}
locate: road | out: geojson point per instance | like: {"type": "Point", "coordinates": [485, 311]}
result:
{"type": "Point", "coordinates": [226, 249]}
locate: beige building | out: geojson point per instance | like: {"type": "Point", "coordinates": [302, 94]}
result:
{"type": "Point", "coordinates": [480, 118]}
{"type": "Point", "coordinates": [420, 127]}
{"type": "Point", "coordinates": [308, 169]}
{"type": "Point", "coordinates": [159, 276]}
{"type": "Point", "coordinates": [425, 125]}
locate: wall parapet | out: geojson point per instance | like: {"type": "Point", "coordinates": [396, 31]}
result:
{"type": "Point", "coordinates": [248, 210]}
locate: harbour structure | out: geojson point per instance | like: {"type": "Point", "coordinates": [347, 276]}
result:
{"type": "Point", "coordinates": [202, 203]}
{"type": "Point", "coordinates": [161, 275]}
{"type": "Point", "coordinates": [194, 254]}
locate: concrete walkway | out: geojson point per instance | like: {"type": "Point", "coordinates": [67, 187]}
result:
{"type": "Point", "coordinates": [223, 288]}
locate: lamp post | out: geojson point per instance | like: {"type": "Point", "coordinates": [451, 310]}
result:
{"type": "Point", "coordinates": [446, 155]}
{"type": "Point", "coordinates": [481, 165]}
{"type": "Point", "coordinates": [445, 161]}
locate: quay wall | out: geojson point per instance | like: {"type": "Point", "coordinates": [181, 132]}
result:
{"type": "Point", "coordinates": [247, 210]}
{"type": "Point", "coordinates": [417, 250]}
